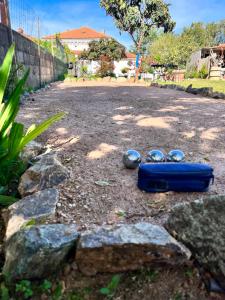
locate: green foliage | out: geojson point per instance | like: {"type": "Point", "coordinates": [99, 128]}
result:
{"type": "Point", "coordinates": [125, 70]}
{"type": "Point", "coordinates": [46, 286]}
{"type": "Point", "coordinates": [58, 50]}
{"type": "Point", "coordinates": [203, 73]}
{"type": "Point", "coordinates": [24, 288]}
{"type": "Point", "coordinates": [57, 293]}
{"type": "Point", "coordinates": [111, 288]}
{"type": "Point", "coordinates": [176, 49]}
{"type": "Point", "coordinates": [216, 85]}
{"type": "Point", "coordinates": [4, 292]}
{"type": "Point", "coordinates": [165, 50]}
{"type": "Point", "coordinates": [139, 17]}
{"type": "Point", "coordinates": [13, 138]}
{"type": "Point", "coordinates": [84, 71]}
{"type": "Point", "coordinates": [109, 48]}
{"type": "Point", "coordinates": [106, 68]}
{"type": "Point", "coordinates": [194, 73]}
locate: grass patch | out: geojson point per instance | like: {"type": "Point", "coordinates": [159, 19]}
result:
{"type": "Point", "coordinates": [217, 85]}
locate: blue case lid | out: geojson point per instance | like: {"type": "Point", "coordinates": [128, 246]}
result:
{"type": "Point", "coordinates": [175, 169]}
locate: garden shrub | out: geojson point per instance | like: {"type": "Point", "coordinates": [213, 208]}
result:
{"type": "Point", "coordinates": [203, 73]}
{"type": "Point", "coordinates": [13, 137]}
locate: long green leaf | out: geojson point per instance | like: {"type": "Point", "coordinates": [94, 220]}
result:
{"type": "Point", "coordinates": [32, 134]}
{"type": "Point", "coordinates": [5, 70]}
{"type": "Point", "coordinates": [12, 106]}
{"type": "Point", "coordinates": [7, 200]}
{"type": "Point", "coordinates": [15, 137]}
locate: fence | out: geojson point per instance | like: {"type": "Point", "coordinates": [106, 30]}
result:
{"type": "Point", "coordinates": [43, 66]}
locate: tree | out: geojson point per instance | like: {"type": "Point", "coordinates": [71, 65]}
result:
{"type": "Point", "coordinates": [104, 47]}
{"type": "Point", "coordinates": [147, 41]}
{"type": "Point", "coordinates": [176, 49]}
{"type": "Point", "coordinates": [139, 17]}
{"type": "Point", "coordinates": [106, 51]}
{"type": "Point", "coordinates": [165, 50]}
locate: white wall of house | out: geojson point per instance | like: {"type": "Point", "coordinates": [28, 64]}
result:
{"type": "Point", "coordinates": [77, 44]}
{"type": "Point", "coordinates": [124, 63]}
{"type": "Point", "coordinates": [93, 67]}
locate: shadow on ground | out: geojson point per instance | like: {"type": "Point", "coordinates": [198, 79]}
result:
{"type": "Point", "coordinates": [104, 121]}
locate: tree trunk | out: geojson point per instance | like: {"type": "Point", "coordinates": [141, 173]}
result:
{"type": "Point", "coordinates": [137, 71]}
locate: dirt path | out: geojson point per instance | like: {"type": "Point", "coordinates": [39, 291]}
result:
{"type": "Point", "coordinates": [102, 121]}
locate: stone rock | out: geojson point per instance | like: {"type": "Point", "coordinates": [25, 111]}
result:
{"type": "Point", "coordinates": [191, 90]}
{"type": "Point", "coordinates": [32, 150]}
{"type": "Point", "coordinates": [217, 95]}
{"type": "Point", "coordinates": [154, 84]}
{"type": "Point", "coordinates": [45, 173]}
{"type": "Point", "coordinates": [205, 91]}
{"type": "Point", "coordinates": [127, 247]}
{"type": "Point", "coordinates": [38, 207]}
{"type": "Point", "coordinates": [38, 251]}
{"type": "Point", "coordinates": [200, 225]}
{"type": "Point", "coordinates": [181, 88]}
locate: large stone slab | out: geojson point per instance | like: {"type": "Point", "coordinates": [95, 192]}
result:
{"type": "Point", "coordinates": [38, 251]}
{"type": "Point", "coordinates": [45, 173]}
{"type": "Point", "coordinates": [200, 225]}
{"type": "Point", "coordinates": [127, 247]}
{"type": "Point", "coordinates": [38, 207]}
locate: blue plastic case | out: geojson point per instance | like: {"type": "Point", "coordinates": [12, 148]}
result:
{"type": "Point", "coordinates": [178, 177]}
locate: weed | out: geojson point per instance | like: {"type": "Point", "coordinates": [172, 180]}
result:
{"type": "Point", "coordinates": [189, 273]}
{"type": "Point", "coordinates": [24, 288]}
{"type": "Point", "coordinates": [148, 274]}
{"type": "Point", "coordinates": [46, 286]}
{"type": "Point", "coordinates": [110, 290]}
{"type": "Point", "coordinates": [4, 292]}
{"type": "Point", "coordinates": [177, 296]}
{"type": "Point", "coordinates": [57, 293]}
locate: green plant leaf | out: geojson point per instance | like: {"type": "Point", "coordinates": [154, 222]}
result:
{"type": "Point", "coordinates": [15, 137]}
{"type": "Point", "coordinates": [32, 134]}
{"type": "Point", "coordinates": [114, 282]}
{"type": "Point", "coordinates": [12, 107]}
{"type": "Point", "coordinates": [7, 200]}
{"type": "Point", "coordinates": [105, 291]}
{"type": "Point", "coordinates": [4, 292]}
{"type": "Point", "coordinates": [5, 70]}
{"type": "Point", "coordinates": [31, 222]}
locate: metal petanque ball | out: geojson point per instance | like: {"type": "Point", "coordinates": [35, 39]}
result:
{"type": "Point", "coordinates": [131, 159]}
{"type": "Point", "coordinates": [176, 156]}
{"type": "Point", "coordinates": [155, 156]}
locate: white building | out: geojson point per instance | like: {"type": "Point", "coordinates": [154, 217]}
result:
{"type": "Point", "coordinates": [78, 40]}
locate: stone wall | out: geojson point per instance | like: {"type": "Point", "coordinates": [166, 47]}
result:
{"type": "Point", "coordinates": [42, 70]}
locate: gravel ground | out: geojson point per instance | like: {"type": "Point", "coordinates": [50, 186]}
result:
{"type": "Point", "coordinates": [105, 119]}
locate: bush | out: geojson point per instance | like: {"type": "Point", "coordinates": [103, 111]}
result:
{"type": "Point", "coordinates": [203, 73]}
{"type": "Point", "coordinates": [192, 73]}
{"type": "Point", "coordinates": [13, 139]}
{"type": "Point", "coordinates": [106, 69]}
{"type": "Point", "coordinates": [125, 70]}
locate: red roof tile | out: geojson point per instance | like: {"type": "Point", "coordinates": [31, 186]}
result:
{"type": "Point", "coordinates": [80, 33]}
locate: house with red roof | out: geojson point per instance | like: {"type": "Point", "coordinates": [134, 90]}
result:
{"type": "Point", "coordinates": [78, 40]}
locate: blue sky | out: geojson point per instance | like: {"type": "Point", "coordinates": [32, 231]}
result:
{"type": "Point", "coordinates": [60, 15]}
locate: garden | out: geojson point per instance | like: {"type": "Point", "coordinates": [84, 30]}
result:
{"type": "Point", "coordinates": [75, 223]}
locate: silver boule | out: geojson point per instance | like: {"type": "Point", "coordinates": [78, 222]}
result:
{"type": "Point", "coordinates": [131, 159]}
{"type": "Point", "coordinates": [155, 156]}
{"type": "Point", "coordinates": [176, 156]}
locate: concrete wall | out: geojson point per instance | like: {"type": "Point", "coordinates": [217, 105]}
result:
{"type": "Point", "coordinates": [42, 70]}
